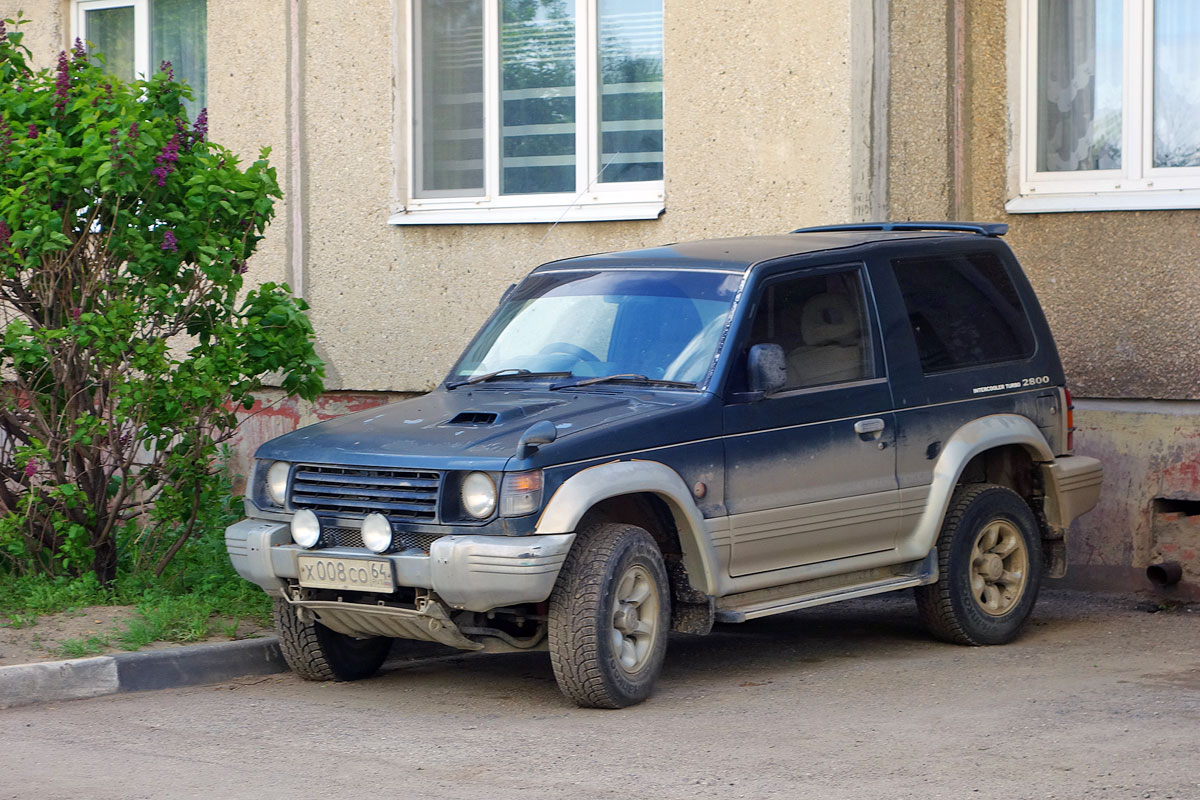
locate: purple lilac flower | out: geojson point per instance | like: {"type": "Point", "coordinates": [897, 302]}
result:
{"type": "Point", "coordinates": [3, 32]}
{"type": "Point", "coordinates": [5, 136]}
{"type": "Point", "coordinates": [170, 242]}
{"type": "Point", "coordinates": [30, 468]}
{"type": "Point", "coordinates": [166, 160]}
{"type": "Point", "coordinates": [108, 90]}
{"type": "Point", "coordinates": [80, 50]}
{"type": "Point", "coordinates": [63, 84]}
{"type": "Point", "coordinates": [200, 127]}
{"type": "Point", "coordinates": [167, 68]}
{"type": "Point", "coordinates": [5, 233]}
{"type": "Point", "coordinates": [32, 133]}
{"type": "Point", "coordinates": [76, 313]}
{"type": "Point", "coordinates": [239, 267]}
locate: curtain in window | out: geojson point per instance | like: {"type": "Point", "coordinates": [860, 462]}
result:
{"type": "Point", "coordinates": [109, 32]}
{"type": "Point", "coordinates": [1176, 83]}
{"type": "Point", "coordinates": [1079, 85]}
{"type": "Point", "coordinates": [631, 90]}
{"type": "Point", "coordinates": [179, 34]}
{"type": "Point", "coordinates": [450, 125]}
{"type": "Point", "coordinates": [537, 96]}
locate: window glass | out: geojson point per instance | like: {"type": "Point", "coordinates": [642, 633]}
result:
{"type": "Point", "coordinates": [179, 34]}
{"type": "Point", "coordinates": [663, 325]}
{"type": "Point", "coordinates": [631, 94]}
{"type": "Point", "coordinates": [820, 323]}
{"type": "Point", "coordinates": [964, 311]}
{"type": "Point", "coordinates": [450, 129]}
{"type": "Point", "coordinates": [1176, 83]}
{"type": "Point", "coordinates": [1079, 85]}
{"type": "Point", "coordinates": [109, 31]}
{"type": "Point", "coordinates": [537, 96]}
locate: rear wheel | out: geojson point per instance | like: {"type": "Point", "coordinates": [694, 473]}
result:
{"type": "Point", "coordinates": [989, 564]}
{"type": "Point", "coordinates": [317, 653]}
{"type": "Point", "coordinates": [609, 616]}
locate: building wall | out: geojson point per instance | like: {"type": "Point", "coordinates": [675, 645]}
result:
{"type": "Point", "coordinates": [1121, 289]}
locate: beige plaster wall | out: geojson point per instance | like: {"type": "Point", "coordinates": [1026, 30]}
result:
{"type": "Point", "coordinates": [1121, 289]}
{"type": "Point", "coordinates": [757, 140]}
{"type": "Point", "coordinates": [46, 30]}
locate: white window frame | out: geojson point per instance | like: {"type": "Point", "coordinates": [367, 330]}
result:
{"type": "Point", "coordinates": [1137, 185]}
{"type": "Point", "coordinates": [597, 201]}
{"type": "Point", "coordinates": [141, 28]}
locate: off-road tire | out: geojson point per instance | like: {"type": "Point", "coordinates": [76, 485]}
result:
{"type": "Point", "coordinates": [950, 609]}
{"type": "Point", "coordinates": [317, 653]}
{"type": "Point", "coordinates": [582, 628]}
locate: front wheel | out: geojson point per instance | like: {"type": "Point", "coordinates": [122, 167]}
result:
{"type": "Point", "coordinates": [317, 653]}
{"type": "Point", "coordinates": [990, 568]}
{"type": "Point", "coordinates": [609, 616]}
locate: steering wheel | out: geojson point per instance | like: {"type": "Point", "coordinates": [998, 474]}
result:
{"type": "Point", "coordinates": [569, 349]}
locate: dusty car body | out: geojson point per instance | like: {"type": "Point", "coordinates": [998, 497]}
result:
{"type": "Point", "coordinates": [666, 438]}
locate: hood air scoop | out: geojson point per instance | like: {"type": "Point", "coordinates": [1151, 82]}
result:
{"type": "Point", "coordinates": [473, 418]}
{"type": "Point", "coordinates": [493, 413]}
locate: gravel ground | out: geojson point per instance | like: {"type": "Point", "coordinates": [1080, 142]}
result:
{"type": "Point", "coordinates": [1100, 699]}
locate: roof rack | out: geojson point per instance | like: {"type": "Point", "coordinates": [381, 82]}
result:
{"type": "Point", "coordinates": [983, 228]}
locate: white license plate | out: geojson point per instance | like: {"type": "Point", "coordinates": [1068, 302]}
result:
{"type": "Point", "coordinates": [360, 574]}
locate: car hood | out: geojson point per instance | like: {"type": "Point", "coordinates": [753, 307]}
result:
{"type": "Point", "coordinates": [473, 428]}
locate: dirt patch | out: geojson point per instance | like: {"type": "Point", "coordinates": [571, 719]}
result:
{"type": "Point", "coordinates": [52, 637]}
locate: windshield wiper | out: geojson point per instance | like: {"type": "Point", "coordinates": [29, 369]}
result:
{"type": "Point", "coordinates": [627, 378]}
{"type": "Point", "coordinates": [511, 372]}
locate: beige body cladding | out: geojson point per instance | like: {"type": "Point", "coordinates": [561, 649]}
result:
{"type": "Point", "coordinates": [1071, 485]}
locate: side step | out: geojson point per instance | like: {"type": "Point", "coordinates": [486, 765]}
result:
{"type": "Point", "coordinates": [806, 594]}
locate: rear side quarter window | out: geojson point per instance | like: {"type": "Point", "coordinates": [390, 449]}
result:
{"type": "Point", "coordinates": [963, 310]}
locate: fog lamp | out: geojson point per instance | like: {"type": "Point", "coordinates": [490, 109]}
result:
{"type": "Point", "coordinates": [306, 528]}
{"type": "Point", "coordinates": [377, 533]}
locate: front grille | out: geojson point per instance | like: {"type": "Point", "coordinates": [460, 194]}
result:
{"type": "Point", "coordinates": [400, 494]}
{"type": "Point", "coordinates": [352, 537]}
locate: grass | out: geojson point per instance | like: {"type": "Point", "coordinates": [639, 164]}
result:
{"type": "Point", "coordinates": [198, 595]}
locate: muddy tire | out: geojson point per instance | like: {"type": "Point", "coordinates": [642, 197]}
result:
{"type": "Point", "coordinates": [610, 612]}
{"type": "Point", "coordinates": [989, 567]}
{"type": "Point", "coordinates": [317, 653]}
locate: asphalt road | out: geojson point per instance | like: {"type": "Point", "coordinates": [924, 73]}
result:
{"type": "Point", "coordinates": [1100, 699]}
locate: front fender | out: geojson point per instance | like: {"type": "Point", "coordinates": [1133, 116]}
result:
{"type": "Point", "coordinates": [586, 488]}
{"type": "Point", "coordinates": [977, 436]}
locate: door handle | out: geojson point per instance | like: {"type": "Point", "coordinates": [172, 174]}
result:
{"type": "Point", "coordinates": [864, 426]}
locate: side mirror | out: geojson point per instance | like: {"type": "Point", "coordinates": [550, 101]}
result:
{"type": "Point", "coordinates": [767, 368]}
{"type": "Point", "coordinates": [539, 433]}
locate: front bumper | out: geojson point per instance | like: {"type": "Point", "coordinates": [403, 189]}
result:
{"type": "Point", "coordinates": [470, 572]}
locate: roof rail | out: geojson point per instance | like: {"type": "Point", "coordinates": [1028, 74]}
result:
{"type": "Point", "coordinates": [984, 228]}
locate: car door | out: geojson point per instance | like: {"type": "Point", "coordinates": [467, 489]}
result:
{"type": "Point", "coordinates": [810, 469]}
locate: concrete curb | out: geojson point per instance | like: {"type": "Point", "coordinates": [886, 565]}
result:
{"type": "Point", "coordinates": [49, 681]}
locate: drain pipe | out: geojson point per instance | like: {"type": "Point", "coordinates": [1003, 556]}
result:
{"type": "Point", "coordinates": [1168, 573]}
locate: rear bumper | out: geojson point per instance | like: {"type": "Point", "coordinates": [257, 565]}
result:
{"type": "Point", "coordinates": [1072, 485]}
{"type": "Point", "coordinates": [471, 572]}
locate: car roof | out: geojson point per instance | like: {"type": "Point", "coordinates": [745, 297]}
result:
{"type": "Point", "coordinates": [738, 254]}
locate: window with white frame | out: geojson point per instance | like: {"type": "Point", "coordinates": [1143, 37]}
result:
{"type": "Point", "coordinates": [1110, 105]}
{"type": "Point", "coordinates": [137, 36]}
{"type": "Point", "coordinates": [535, 111]}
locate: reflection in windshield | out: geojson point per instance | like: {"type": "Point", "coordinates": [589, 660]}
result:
{"type": "Point", "coordinates": [662, 324]}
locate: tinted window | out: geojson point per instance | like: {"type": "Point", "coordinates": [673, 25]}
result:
{"type": "Point", "coordinates": [819, 322]}
{"type": "Point", "coordinates": [964, 311]}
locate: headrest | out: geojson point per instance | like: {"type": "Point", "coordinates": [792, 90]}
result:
{"type": "Point", "coordinates": [829, 319]}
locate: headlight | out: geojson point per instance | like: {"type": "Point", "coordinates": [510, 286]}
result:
{"type": "Point", "coordinates": [306, 528]}
{"type": "Point", "coordinates": [377, 533]}
{"type": "Point", "coordinates": [479, 495]}
{"type": "Point", "coordinates": [521, 493]}
{"type": "Point", "coordinates": [277, 478]}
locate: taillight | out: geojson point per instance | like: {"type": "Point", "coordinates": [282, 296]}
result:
{"type": "Point", "coordinates": [1070, 421]}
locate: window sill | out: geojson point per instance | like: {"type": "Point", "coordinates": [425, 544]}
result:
{"type": "Point", "coordinates": [483, 215]}
{"type": "Point", "coordinates": [1144, 200]}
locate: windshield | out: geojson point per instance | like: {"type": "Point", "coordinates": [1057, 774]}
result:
{"type": "Point", "coordinates": [663, 325]}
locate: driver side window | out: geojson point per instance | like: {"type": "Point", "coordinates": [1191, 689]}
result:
{"type": "Point", "coordinates": [821, 324]}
